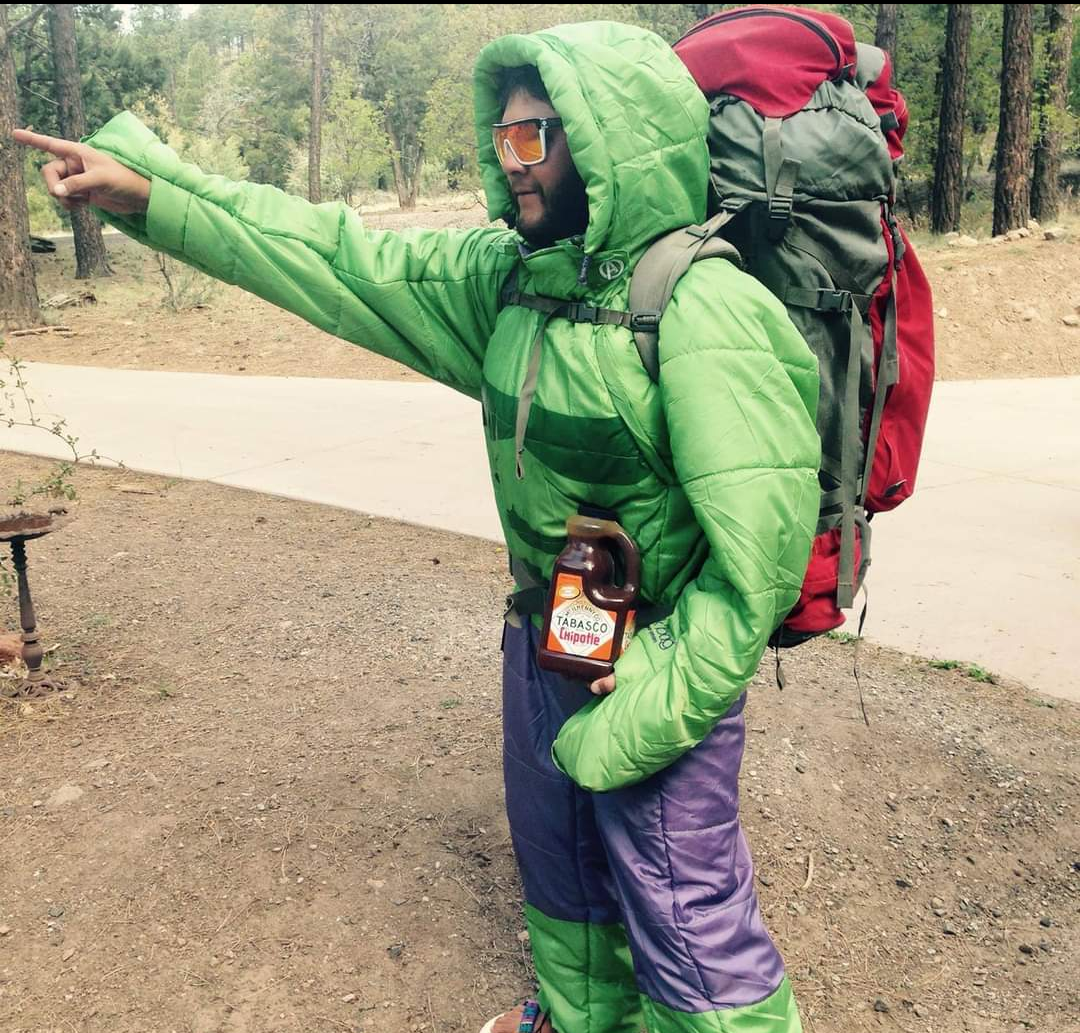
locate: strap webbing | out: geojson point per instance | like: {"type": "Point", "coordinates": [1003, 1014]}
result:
{"type": "Point", "coordinates": [528, 390]}
{"type": "Point", "coordinates": [823, 299]}
{"type": "Point", "coordinates": [862, 521]}
{"type": "Point", "coordinates": [660, 269]}
{"type": "Point", "coordinates": [651, 287]}
{"type": "Point", "coordinates": [849, 470]}
{"type": "Point", "coordinates": [772, 153]}
{"type": "Point", "coordinates": [575, 311]}
{"type": "Point", "coordinates": [781, 175]}
{"type": "Point", "coordinates": [856, 654]}
{"type": "Point", "coordinates": [888, 374]}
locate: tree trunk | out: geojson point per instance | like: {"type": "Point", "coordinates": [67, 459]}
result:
{"type": "Point", "coordinates": [949, 164]}
{"type": "Point", "coordinates": [315, 137]}
{"type": "Point", "coordinates": [885, 31]}
{"type": "Point", "coordinates": [1012, 186]}
{"type": "Point", "coordinates": [1052, 112]}
{"type": "Point", "coordinates": [406, 168]}
{"type": "Point", "coordinates": [91, 258]}
{"type": "Point", "coordinates": [19, 306]}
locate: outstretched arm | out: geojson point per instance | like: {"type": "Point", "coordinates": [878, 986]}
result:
{"type": "Point", "coordinates": [428, 299]}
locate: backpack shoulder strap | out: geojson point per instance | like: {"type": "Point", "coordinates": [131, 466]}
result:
{"type": "Point", "coordinates": [660, 269]}
{"type": "Point", "coordinates": [651, 286]}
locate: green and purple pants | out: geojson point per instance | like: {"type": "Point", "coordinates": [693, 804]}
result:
{"type": "Point", "coordinates": [640, 902]}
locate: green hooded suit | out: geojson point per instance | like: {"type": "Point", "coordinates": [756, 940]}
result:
{"type": "Point", "coordinates": [712, 470]}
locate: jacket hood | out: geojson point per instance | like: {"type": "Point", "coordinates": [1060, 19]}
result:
{"type": "Point", "coordinates": [635, 123]}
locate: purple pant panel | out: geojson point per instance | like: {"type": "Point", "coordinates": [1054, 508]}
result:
{"type": "Point", "coordinates": [666, 856]}
{"type": "Point", "coordinates": [564, 867]}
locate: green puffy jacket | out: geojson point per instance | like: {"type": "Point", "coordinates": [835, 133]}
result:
{"type": "Point", "coordinates": [712, 471]}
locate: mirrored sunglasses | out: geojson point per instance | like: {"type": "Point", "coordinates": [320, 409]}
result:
{"type": "Point", "coordinates": [524, 140]}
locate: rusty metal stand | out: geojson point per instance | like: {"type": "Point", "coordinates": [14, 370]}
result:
{"type": "Point", "coordinates": [37, 682]}
{"type": "Point", "coordinates": [18, 530]}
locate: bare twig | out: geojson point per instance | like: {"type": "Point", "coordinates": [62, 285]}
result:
{"type": "Point", "coordinates": [466, 888]}
{"type": "Point", "coordinates": [28, 21]}
{"type": "Point", "coordinates": [239, 911]}
{"type": "Point", "coordinates": [809, 870]}
{"type": "Point", "coordinates": [335, 1022]}
{"type": "Point", "coordinates": [41, 96]}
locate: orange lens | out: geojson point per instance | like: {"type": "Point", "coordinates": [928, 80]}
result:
{"type": "Point", "coordinates": [524, 141]}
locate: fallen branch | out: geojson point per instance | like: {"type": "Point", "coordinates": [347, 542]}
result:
{"type": "Point", "coordinates": [79, 297]}
{"type": "Point", "coordinates": [135, 489]}
{"type": "Point", "coordinates": [40, 330]}
{"type": "Point", "coordinates": [809, 870]}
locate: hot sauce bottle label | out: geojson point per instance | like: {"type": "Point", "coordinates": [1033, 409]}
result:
{"type": "Point", "coordinates": [628, 631]}
{"type": "Point", "coordinates": [579, 628]}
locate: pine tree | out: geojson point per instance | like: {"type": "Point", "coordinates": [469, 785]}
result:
{"type": "Point", "coordinates": [91, 258]}
{"type": "Point", "coordinates": [1012, 186]}
{"type": "Point", "coordinates": [1052, 112]}
{"type": "Point", "coordinates": [315, 137]}
{"type": "Point", "coordinates": [949, 163]}
{"type": "Point", "coordinates": [19, 305]}
{"type": "Point", "coordinates": [885, 30]}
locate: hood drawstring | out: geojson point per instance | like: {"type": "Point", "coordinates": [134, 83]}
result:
{"type": "Point", "coordinates": [583, 276]}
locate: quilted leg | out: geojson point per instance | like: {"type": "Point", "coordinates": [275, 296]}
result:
{"type": "Point", "coordinates": [640, 902]}
{"type": "Point", "coordinates": [578, 942]}
{"type": "Point", "coordinates": [683, 875]}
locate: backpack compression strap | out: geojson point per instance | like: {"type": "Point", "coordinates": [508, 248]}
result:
{"type": "Point", "coordinates": [661, 268]}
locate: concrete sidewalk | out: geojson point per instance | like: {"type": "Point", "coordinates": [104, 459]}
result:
{"type": "Point", "coordinates": [982, 565]}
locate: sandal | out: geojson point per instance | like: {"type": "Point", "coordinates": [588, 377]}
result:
{"type": "Point", "coordinates": [533, 1020]}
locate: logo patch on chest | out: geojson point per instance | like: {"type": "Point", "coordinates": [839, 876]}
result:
{"type": "Point", "coordinates": [611, 268]}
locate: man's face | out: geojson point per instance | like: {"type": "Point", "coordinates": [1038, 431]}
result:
{"type": "Point", "coordinates": [550, 196]}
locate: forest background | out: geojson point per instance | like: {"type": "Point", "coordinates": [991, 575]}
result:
{"type": "Point", "coordinates": [371, 103]}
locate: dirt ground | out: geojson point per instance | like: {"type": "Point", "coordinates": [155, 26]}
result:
{"type": "Point", "coordinates": [269, 798]}
{"type": "Point", "coordinates": [999, 309]}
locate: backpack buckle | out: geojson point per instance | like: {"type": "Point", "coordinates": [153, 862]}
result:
{"type": "Point", "coordinates": [579, 312]}
{"type": "Point", "coordinates": [780, 207]}
{"type": "Point", "coordinates": [647, 321]}
{"type": "Point", "coordinates": [834, 301]}
{"type": "Point", "coordinates": [734, 204]}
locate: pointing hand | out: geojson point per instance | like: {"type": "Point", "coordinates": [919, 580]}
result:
{"type": "Point", "coordinates": [82, 175]}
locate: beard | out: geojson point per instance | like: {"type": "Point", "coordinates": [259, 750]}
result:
{"type": "Point", "coordinates": [565, 214]}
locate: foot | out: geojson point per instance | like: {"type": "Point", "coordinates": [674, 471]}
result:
{"type": "Point", "coordinates": [511, 1021]}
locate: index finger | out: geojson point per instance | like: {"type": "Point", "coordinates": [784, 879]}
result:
{"type": "Point", "coordinates": [52, 144]}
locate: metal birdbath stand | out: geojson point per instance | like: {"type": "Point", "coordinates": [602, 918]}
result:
{"type": "Point", "coordinates": [18, 528]}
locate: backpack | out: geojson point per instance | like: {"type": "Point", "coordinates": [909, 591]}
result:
{"type": "Point", "coordinates": [805, 133]}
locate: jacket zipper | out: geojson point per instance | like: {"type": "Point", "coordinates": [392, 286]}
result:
{"type": "Point", "coordinates": [825, 36]}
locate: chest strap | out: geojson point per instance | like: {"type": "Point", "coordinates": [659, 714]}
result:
{"type": "Point", "coordinates": [575, 311]}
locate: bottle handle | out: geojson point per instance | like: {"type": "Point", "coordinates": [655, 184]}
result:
{"type": "Point", "coordinates": [618, 596]}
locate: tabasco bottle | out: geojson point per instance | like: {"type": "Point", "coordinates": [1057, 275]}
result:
{"type": "Point", "coordinates": [589, 620]}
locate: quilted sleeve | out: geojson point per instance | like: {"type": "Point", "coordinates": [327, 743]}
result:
{"type": "Point", "coordinates": [739, 387]}
{"type": "Point", "coordinates": [428, 299]}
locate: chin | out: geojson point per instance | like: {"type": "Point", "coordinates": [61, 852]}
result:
{"type": "Point", "coordinates": [536, 233]}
